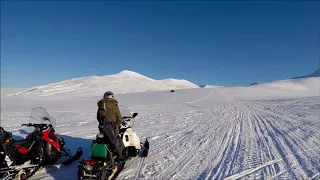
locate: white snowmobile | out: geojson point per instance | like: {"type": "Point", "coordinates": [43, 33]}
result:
{"type": "Point", "coordinates": [130, 139]}
{"type": "Point", "coordinates": [102, 164]}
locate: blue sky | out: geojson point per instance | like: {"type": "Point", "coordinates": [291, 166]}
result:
{"type": "Point", "coordinates": [218, 43]}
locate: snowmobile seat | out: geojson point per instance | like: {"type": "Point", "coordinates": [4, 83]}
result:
{"type": "Point", "coordinates": [22, 146]}
{"type": "Point", "coordinates": [100, 159]}
{"type": "Point", "coordinates": [21, 142]}
{"type": "Point", "coordinates": [100, 138]}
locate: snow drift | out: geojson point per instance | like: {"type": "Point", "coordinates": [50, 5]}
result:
{"type": "Point", "coordinates": [290, 88]}
{"type": "Point", "coordinates": [303, 84]}
{"type": "Point", "coordinates": [123, 82]}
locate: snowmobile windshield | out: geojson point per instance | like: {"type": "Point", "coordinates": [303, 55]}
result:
{"type": "Point", "coordinates": [40, 115]}
{"type": "Point", "coordinates": [125, 111]}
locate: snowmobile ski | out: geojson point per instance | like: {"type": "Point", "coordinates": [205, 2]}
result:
{"type": "Point", "coordinates": [143, 153]}
{"type": "Point", "coordinates": [115, 169]}
{"type": "Point", "coordinates": [74, 157]}
{"type": "Point", "coordinates": [144, 149]}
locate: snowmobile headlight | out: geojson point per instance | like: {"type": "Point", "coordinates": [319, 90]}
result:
{"type": "Point", "coordinates": [88, 167]}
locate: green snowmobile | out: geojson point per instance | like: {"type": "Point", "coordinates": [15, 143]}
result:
{"type": "Point", "coordinates": [103, 163]}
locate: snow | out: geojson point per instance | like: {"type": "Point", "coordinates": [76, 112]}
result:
{"type": "Point", "coordinates": [266, 131]}
{"type": "Point", "coordinates": [211, 86]}
{"type": "Point", "coordinates": [124, 81]}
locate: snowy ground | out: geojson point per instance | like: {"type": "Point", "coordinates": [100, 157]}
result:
{"type": "Point", "coordinates": [207, 133]}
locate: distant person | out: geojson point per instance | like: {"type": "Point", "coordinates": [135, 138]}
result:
{"type": "Point", "coordinates": [109, 118]}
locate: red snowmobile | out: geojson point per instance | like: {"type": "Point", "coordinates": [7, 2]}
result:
{"type": "Point", "coordinates": [41, 147]}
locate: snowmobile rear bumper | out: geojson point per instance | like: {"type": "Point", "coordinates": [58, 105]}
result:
{"type": "Point", "coordinates": [94, 169]}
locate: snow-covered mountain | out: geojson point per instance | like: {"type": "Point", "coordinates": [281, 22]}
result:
{"type": "Point", "coordinates": [123, 82]}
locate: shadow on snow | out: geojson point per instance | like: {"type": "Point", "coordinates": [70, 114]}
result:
{"type": "Point", "coordinates": [69, 171]}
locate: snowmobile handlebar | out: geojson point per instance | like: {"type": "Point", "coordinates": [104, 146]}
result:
{"type": "Point", "coordinates": [130, 117]}
{"type": "Point", "coordinates": [29, 124]}
{"type": "Point", "coordinates": [37, 125]}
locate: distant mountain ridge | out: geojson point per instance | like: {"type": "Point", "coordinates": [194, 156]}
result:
{"type": "Point", "coordinates": [123, 82]}
{"type": "Point", "coordinates": [252, 84]}
{"type": "Point", "coordinates": [314, 74]}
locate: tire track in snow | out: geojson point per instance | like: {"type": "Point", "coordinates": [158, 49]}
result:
{"type": "Point", "coordinates": [212, 138]}
{"type": "Point", "coordinates": [193, 153]}
{"type": "Point", "coordinates": [292, 143]}
{"type": "Point", "coordinates": [184, 159]}
{"type": "Point", "coordinates": [201, 98]}
{"type": "Point", "coordinates": [249, 171]}
{"type": "Point", "coordinates": [171, 100]}
{"type": "Point", "coordinates": [233, 138]}
{"type": "Point", "coordinates": [175, 138]}
{"type": "Point", "coordinates": [277, 140]}
{"type": "Point", "coordinates": [280, 142]}
{"type": "Point", "coordinates": [257, 153]}
{"type": "Point", "coordinates": [243, 141]}
{"type": "Point", "coordinates": [151, 161]}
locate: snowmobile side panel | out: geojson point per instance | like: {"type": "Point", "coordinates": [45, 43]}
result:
{"type": "Point", "coordinates": [52, 153]}
{"type": "Point", "coordinates": [130, 138]}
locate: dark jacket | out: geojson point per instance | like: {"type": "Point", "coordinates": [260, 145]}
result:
{"type": "Point", "coordinates": [108, 110]}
